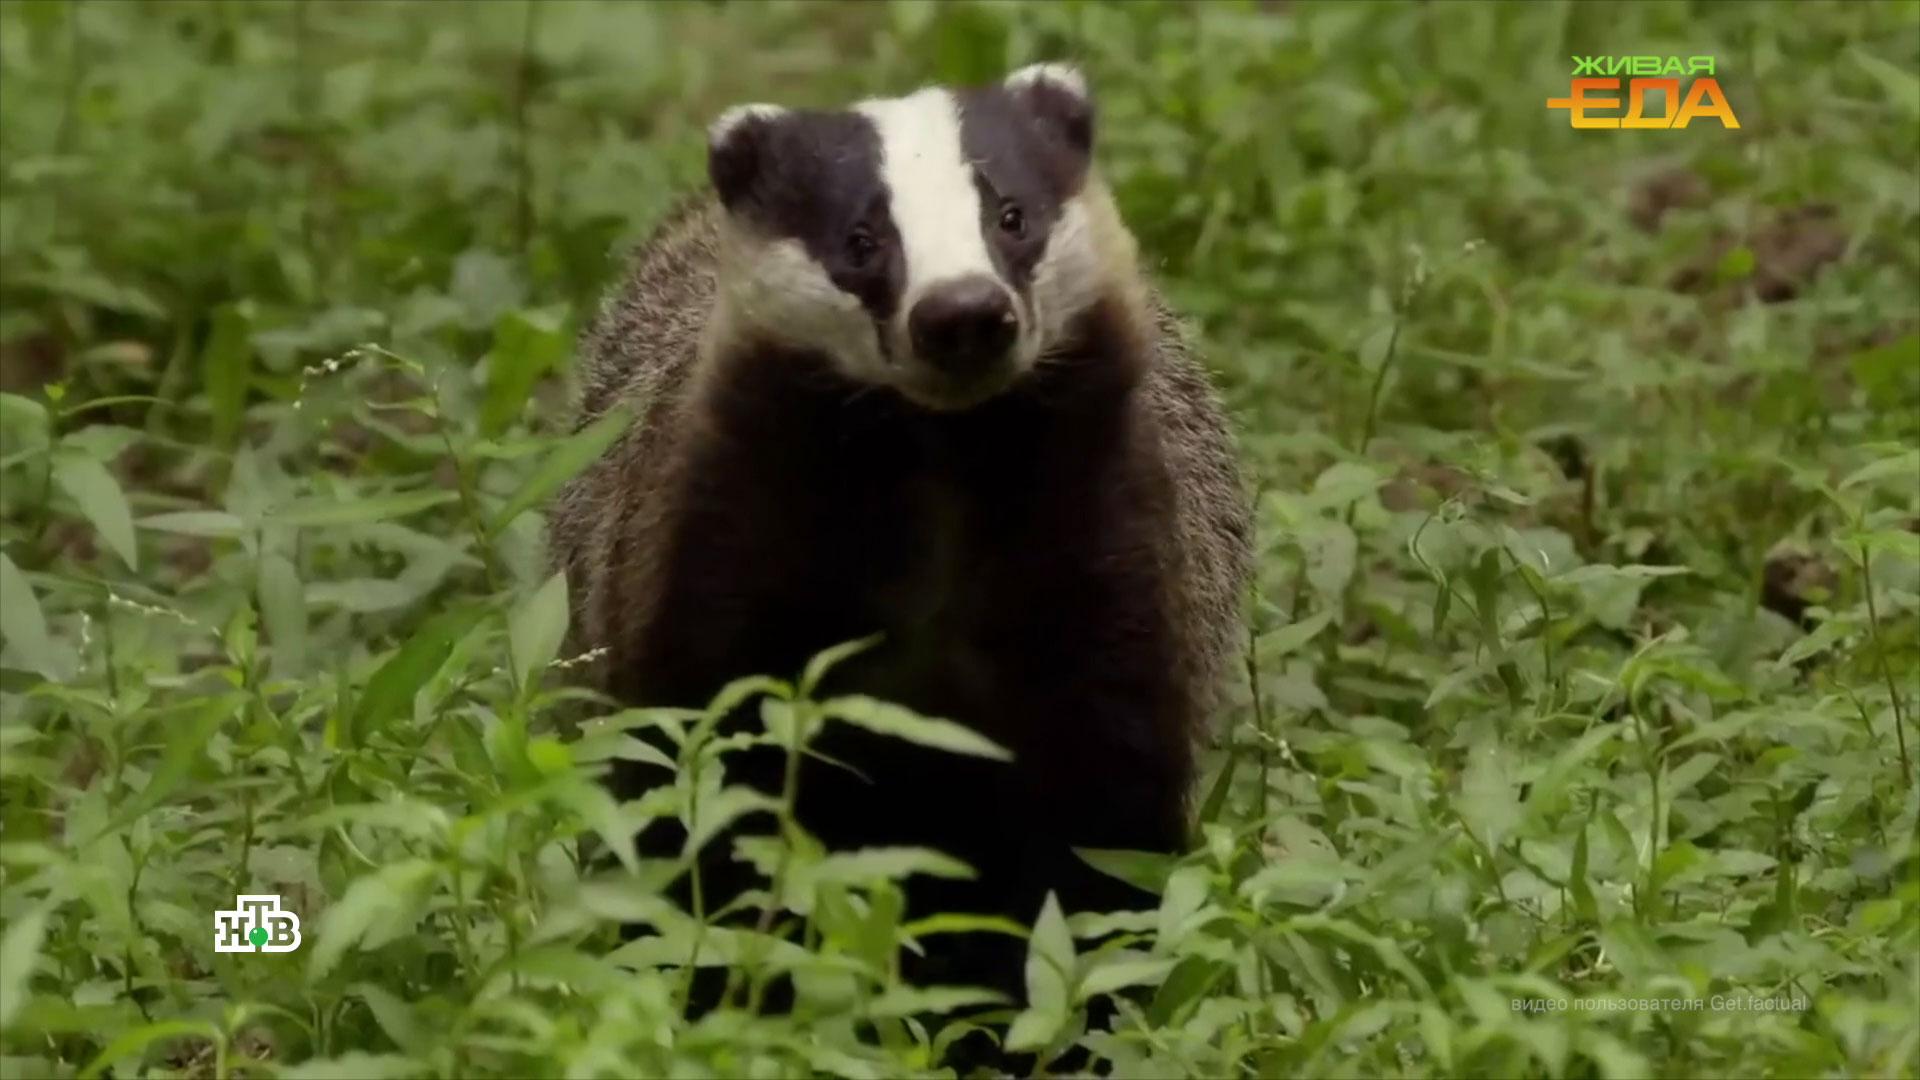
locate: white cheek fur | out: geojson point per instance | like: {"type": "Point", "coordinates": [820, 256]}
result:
{"type": "Point", "coordinates": [776, 287]}
{"type": "Point", "coordinates": [1070, 277]}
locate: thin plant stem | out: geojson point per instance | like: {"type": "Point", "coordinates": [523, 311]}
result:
{"type": "Point", "coordinates": [1886, 670]}
{"type": "Point", "coordinates": [789, 829]}
{"type": "Point", "coordinates": [523, 158]}
{"type": "Point", "coordinates": [1259, 717]}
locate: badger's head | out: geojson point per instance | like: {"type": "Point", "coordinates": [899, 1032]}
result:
{"type": "Point", "coordinates": [940, 244]}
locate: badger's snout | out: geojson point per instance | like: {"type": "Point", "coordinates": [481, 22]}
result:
{"type": "Point", "coordinates": [965, 328]}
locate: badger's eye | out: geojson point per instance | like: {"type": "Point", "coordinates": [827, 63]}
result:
{"type": "Point", "coordinates": [861, 247]}
{"type": "Point", "coordinates": [1012, 221]}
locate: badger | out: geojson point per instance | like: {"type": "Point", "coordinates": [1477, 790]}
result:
{"type": "Point", "coordinates": [900, 375]}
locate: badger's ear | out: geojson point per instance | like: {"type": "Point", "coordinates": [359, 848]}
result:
{"type": "Point", "coordinates": [1056, 96]}
{"type": "Point", "coordinates": [737, 145]}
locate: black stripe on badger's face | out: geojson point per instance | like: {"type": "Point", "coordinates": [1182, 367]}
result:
{"type": "Point", "coordinates": [904, 237]}
{"type": "Point", "coordinates": [1029, 146]}
{"type": "Point", "coordinates": [814, 177]}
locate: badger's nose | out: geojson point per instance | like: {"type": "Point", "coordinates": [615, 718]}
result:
{"type": "Point", "coordinates": [963, 327]}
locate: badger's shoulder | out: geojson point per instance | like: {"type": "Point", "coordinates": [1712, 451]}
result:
{"type": "Point", "coordinates": [646, 335]}
{"type": "Point", "coordinates": [1212, 509]}
{"type": "Point", "coordinates": [640, 349]}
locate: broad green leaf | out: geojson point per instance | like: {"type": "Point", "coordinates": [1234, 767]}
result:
{"type": "Point", "coordinates": [1117, 971]}
{"type": "Point", "coordinates": [602, 813]}
{"type": "Point", "coordinates": [395, 1017]}
{"type": "Point", "coordinates": [210, 523]}
{"type": "Point", "coordinates": [88, 483]}
{"type": "Point", "coordinates": [1192, 979]}
{"type": "Point", "coordinates": [187, 742]}
{"type": "Point", "coordinates": [1584, 902]}
{"type": "Point", "coordinates": [1600, 571]}
{"type": "Point", "coordinates": [526, 345]}
{"type": "Point", "coordinates": [899, 722]}
{"type": "Point", "coordinates": [1679, 858]}
{"type": "Point", "coordinates": [389, 693]}
{"type": "Point", "coordinates": [538, 627]}
{"type": "Point", "coordinates": [1487, 798]}
{"type": "Point", "coordinates": [1821, 640]}
{"type": "Point", "coordinates": [23, 627]}
{"type": "Point", "coordinates": [378, 905]}
{"type": "Point", "coordinates": [1095, 925]}
{"type": "Point", "coordinates": [81, 281]}
{"type": "Point", "coordinates": [1183, 898]}
{"type": "Point", "coordinates": [1345, 481]}
{"type": "Point", "coordinates": [720, 809]}
{"type": "Point", "coordinates": [1734, 862]}
{"type": "Point", "coordinates": [934, 925]}
{"type": "Point", "coordinates": [1300, 879]}
{"type": "Point", "coordinates": [580, 450]}
{"type": "Point", "coordinates": [362, 595]}
{"type": "Point", "coordinates": [1611, 594]}
{"type": "Point", "coordinates": [1146, 870]}
{"type": "Point", "coordinates": [1898, 543]}
{"type": "Point", "coordinates": [1904, 467]}
{"type": "Point", "coordinates": [827, 659]}
{"type": "Point", "coordinates": [1284, 641]}
{"type": "Point", "coordinates": [486, 284]}
{"type": "Point", "coordinates": [1389, 953]}
{"type": "Point", "coordinates": [1688, 773]}
{"type": "Point", "coordinates": [1722, 730]}
{"type": "Point", "coordinates": [1485, 581]}
{"type": "Point", "coordinates": [19, 954]}
{"type": "Point", "coordinates": [283, 612]}
{"type": "Point", "coordinates": [353, 510]}
{"type": "Point", "coordinates": [884, 863]}
{"type": "Point", "coordinates": [1442, 605]}
{"type": "Point", "coordinates": [24, 424]}
{"type": "Point", "coordinates": [1033, 1029]}
{"type": "Point", "coordinates": [134, 1042]}
{"type": "Point", "coordinates": [1885, 372]}
{"type": "Point", "coordinates": [910, 1001]}
{"type": "Point", "coordinates": [1217, 792]}
{"type": "Point", "coordinates": [1049, 954]}
{"type": "Point", "coordinates": [589, 976]}
{"type": "Point", "coordinates": [1330, 549]}
{"type": "Point", "coordinates": [225, 364]}
{"type": "Point", "coordinates": [407, 816]}
{"type": "Point", "coordinates": [1901, 84]}
{"type": "Point", "coordinates": [719, 946]}
{"type": "Point", "coordinates": [1550, 785]}
{"type": "Point", "coordinates": [101, 442]}
{"type": "Point", "coordinates": [1049, 975]}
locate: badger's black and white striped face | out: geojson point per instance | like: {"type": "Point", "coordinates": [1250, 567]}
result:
{"type": "Point", "coordinates": [938, 243]}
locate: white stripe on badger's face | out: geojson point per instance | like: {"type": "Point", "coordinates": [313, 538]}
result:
{"type": "Point", "coordinates": [935, 206]}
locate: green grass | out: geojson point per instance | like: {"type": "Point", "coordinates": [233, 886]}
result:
{"type": "Point", "coordinates": [1579, 716]}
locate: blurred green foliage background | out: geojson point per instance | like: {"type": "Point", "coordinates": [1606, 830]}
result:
{"type": "Point", "coordinates": [1581, 666]}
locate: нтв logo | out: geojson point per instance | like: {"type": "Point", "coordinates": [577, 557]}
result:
{"type": "Point", "coordinates": [257, 924]}
{"type": "Point", "coordinates": [1660, 73]}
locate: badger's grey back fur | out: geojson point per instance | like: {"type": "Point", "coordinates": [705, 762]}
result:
{"type": "Point", "coordinates": [640, 351]}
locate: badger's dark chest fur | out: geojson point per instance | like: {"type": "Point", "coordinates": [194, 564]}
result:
{"type": "Point", "coordinates": [1012, 556]}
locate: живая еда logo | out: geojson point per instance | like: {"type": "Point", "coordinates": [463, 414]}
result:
{"type": "Point", "coordinates": [1702, 98]}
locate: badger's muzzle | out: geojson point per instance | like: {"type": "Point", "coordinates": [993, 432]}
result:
{"type": "Point", "coordinates": [965, 330]}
